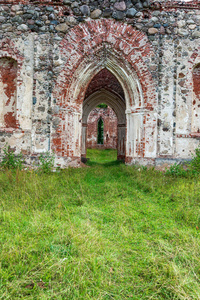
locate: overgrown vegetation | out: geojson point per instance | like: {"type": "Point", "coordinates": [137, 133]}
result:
{"type": "Point", "coordinates": [107, 231]}
{"type": "Point", "coordinates": [195, 163]}
{"type": "Point", "coordinates": [11, 160]}
{"type": "Point", "coordinates": [178, 170]}
{"type": "Point", "coordinates": [190, 169]}
{"type": "Point", "coordinates": [46, 162]}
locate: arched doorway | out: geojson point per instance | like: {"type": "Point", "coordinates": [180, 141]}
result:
{"type": "Point", "coordinates": [102, 134]}
{"type": "Point", "coordinates": [87, 50]}
{"type": "Point", "coordinates": [105, 88]}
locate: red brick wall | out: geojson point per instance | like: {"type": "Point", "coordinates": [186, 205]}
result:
{"type": "Point", "coordinates": [196, 99]}
{"type": "Point", "coordinates": [105, 79]}
{"type": "Point", "coordinates": [8, 77]}
{"type": "Point", "coordinates": [196, 81]}
{"type": "Point", "coordinates": [110, 128]}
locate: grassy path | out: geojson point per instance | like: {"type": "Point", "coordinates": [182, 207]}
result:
{"type": "Point", "coordinates": [107, 231]}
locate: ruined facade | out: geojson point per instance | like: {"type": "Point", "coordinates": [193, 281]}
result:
{"type": "Point", "coordinates": [60, 59]}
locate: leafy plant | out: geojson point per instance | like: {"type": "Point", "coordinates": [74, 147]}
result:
{"type": "Point", "coordinates": [195, 163]}
{"type": "Point", "coordinates": [144, 168]}
{"type": "Point", "coordinates": [192, 168]}
{"type": "Point", "coordinates": [46, 162]}
{"type": "Point", "coordinates": [11, 160]}
{"type": "Point", "coordinates": [177, 170]}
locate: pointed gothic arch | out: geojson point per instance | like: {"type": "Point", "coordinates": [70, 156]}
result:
{"type": "Point", "coordinates": [88, 48]}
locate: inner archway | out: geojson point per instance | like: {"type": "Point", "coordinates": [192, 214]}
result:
{"type": "Point", "coordinates": [102, 128]}
{"type": "Point", "coordinates": [105, 88]}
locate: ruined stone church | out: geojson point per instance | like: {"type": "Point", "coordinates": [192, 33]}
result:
{"type": "Point", "coordinates": [60, 59]}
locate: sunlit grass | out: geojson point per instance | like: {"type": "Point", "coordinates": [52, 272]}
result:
{"type": "Point", "coordinates": [98, 156]}
{"type": "Point", "coordinates": [106, 231]}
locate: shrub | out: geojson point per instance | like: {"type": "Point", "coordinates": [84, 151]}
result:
{"type": "Point", "coordinates": [177, 170]}
{"type": "Point", "coordinates": [195, 162]}
{"type": "Point", "coordinates": [46, 162]}
{"type": "Point", "coordinates": [193, 168]}
{"type": "Point", "coordinates": [11, 160]}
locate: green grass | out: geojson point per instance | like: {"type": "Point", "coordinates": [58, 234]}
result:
{"type": "Point", "coordinates": [107, 231]}
{"type": "Point", "coordinates": [103, 157]}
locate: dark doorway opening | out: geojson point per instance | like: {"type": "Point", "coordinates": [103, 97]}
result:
{"type": "Point", "coordinates": [104, 92]}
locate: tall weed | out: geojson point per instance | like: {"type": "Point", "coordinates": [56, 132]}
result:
{"type": "Point", "coordinates": [11, 160]}
{"type": "Point", "coordinates": [177, 170]}
{"type": "Point", "coordinates": [190, 169]}
{"type": "Point", "coordinates": [195, 163]}
{"type": "Point", "coordinates": [46, 162]}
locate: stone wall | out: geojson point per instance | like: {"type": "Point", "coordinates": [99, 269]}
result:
{"type": "Point", "coordinates": [51, 50]}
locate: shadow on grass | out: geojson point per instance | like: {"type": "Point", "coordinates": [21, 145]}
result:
{"type": "Point", "coordinates": [105, 164]}
{"type": "Point", "coordinates": [102, 157]}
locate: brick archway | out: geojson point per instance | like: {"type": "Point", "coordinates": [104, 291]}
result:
{"type": "Point", "coordinates": [88, 48]}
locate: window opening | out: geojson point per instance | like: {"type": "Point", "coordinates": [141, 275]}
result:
{"type": "Point", "coordinates": [102, 105]}
{"type": "Point", "coordinates": [100, 128]}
